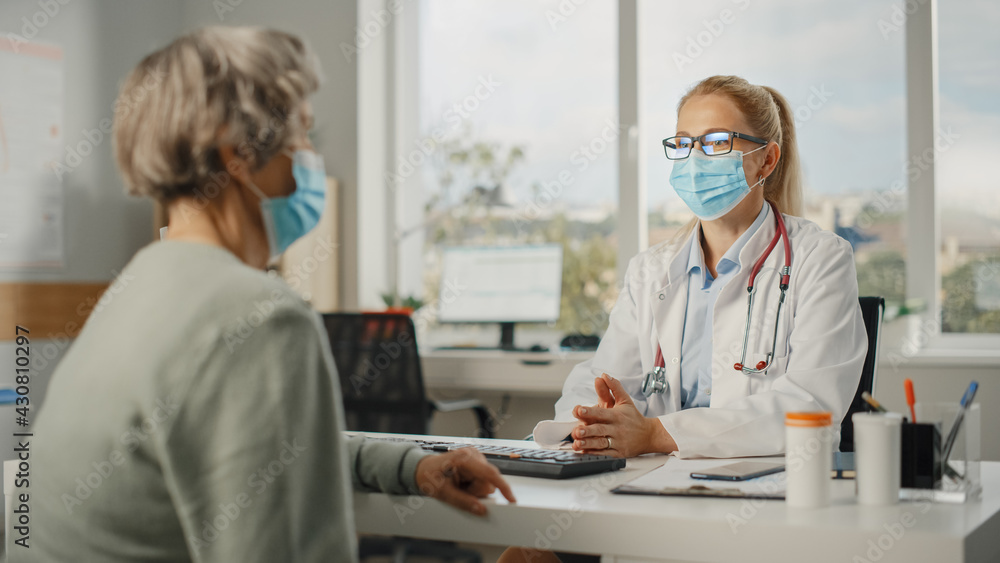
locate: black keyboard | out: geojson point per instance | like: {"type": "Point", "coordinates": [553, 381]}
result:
{"type": "Point", "coordinates": [548, 464]}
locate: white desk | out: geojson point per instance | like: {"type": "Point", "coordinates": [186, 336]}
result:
{"type": "Point", "coordinates": [581, 515]}
{"type": "Point", "coordinates": [527, 373]}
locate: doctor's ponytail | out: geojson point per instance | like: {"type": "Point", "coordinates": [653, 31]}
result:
{"type": "Point", "coordinates": [784, 186]}
{"type": "Point", "coordinates": [770, 117]}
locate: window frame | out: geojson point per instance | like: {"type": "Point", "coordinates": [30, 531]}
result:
{"type": "Point", "coordinates": [923, 278]}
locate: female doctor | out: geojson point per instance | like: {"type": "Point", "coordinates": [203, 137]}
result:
{"type": "Point", "coordinates": [734, 161]}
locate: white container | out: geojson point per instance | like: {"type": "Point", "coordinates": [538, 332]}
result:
{"type": "Point", "coordinates": [877, 445]}
{"type": "Point", "coordinates": [808, 456]}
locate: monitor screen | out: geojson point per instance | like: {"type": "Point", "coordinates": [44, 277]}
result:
{"type": "Point", "coordinates": [481, 284]}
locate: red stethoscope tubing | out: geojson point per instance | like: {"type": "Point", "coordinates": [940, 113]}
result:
{"type": "Point", "coordinates": [779, 232]}
{"type": "Point", "coordinates": [659, 358]}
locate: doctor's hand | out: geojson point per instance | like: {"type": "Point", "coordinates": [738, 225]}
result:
{"type": "Point", "coordinates": [615, 426]}
{"type": "Point", "coordinates": [460, 478]}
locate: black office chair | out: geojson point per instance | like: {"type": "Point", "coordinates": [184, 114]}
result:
{"type": "Point", "coordinates": [381, 378]}
{"type": "Point", "coordinates": [872, 309]}
{"type": "Point", "coordinates": [382, 384]}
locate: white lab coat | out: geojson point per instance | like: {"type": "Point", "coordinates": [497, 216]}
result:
{"type": "Point", "coordinates": [820, 350]}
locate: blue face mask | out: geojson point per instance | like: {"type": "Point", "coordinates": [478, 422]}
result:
{"type": "Point", "coordinates": [711, 186]}
{"type": "Point", "coordinates": [287, 219]}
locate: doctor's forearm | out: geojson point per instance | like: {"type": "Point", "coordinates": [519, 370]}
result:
{"type": "Point", "coordinates": [660, 441]}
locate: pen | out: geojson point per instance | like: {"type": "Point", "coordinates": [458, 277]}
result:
{"type": "Point", "coordinates": [910, 397]}
{"type": "Point", "coordinates": [967, 398]}
{"type": "Point", "coordinates": [871, 401]}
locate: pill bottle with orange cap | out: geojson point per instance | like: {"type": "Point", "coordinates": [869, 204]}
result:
{"type": "Point", "coordinates": [808, 455]}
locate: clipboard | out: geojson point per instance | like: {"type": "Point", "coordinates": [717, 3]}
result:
{"type": "Point", "coordinates": [673, 478]}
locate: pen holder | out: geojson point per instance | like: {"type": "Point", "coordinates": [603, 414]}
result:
{"type": "Point", "coordinates": [960, 471]}
{"type": "Point", "coordinates": [921, 456]}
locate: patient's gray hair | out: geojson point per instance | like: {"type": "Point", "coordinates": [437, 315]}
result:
{"type": "Point", "coordinates": [240, 86]}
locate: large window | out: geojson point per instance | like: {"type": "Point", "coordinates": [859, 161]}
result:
{"type": "Point", "coordinates": [522, 101]}
{"type": "Point", "coordinates": [844, 78]}
{"type": "Point", "coordinates": [968, 196]}
{"type": "Point", "coordinates": [520, 104]}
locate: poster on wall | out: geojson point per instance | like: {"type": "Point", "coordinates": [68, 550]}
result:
{"type": "Point", "coordinates": [31, 135]}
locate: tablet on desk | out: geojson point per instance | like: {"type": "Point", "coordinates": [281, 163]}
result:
{"type": "Point", "coordinates": [673, 478]}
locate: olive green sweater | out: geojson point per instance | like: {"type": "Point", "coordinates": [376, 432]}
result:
{"type": "Point", "coordinates": [197, 418]}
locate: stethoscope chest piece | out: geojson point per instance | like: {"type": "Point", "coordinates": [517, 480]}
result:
{"type": "Point", "coordinates": [655, 382]}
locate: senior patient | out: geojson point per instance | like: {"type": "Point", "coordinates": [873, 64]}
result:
{"type": "Point", "coordinates": [171, 431]}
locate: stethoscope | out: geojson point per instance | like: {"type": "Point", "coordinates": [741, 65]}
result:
{"type": "Point", "coordinates": [656, 380]}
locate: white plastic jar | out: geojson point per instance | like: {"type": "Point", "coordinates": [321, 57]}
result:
{"type": "Point", "coordinates": [808, 458]}
{"type": "Point", "coordinates": [877, 452]}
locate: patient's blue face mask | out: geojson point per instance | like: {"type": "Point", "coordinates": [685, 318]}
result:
{"type": "Point", "coordinates": [711, 186]}
{"type": "Point", "coordinates": [287, 219]}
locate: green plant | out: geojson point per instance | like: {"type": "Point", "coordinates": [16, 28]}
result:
{"type": "Point", "coordinates": [394, 301]}
{"type": "Point", "coordinates": [883, 273]}
{"type": "Point", "coordinates": [961, 307]}
{"type": "Point", "coordinates": [469, 163]}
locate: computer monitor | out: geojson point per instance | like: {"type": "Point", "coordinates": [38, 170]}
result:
{"type": "Point", "coordinates": [501, 284]}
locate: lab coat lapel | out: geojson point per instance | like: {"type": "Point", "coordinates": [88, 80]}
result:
{"type": "Point", "coordinates": [669, 304]}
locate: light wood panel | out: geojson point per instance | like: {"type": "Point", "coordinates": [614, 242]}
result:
{"type": "Point", "coordinates": [310, 265]}
{"type": "Point", "coordinates": [47, 310]}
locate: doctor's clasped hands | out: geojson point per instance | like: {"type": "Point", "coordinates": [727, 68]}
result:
{"type": "Point", "coordinates": [616, 427]}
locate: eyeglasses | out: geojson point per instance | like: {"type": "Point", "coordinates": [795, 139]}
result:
{"type": "Point", "coordinates": [712, 144]}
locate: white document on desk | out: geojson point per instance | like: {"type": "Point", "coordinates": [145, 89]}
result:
{"type": "Point", "coordinates": [552, 435]}
{"type": "Point", "coordinates": [673, 478]}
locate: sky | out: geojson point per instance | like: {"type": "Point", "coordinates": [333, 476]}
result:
{"type": "Point", "coordinates": [558, 86]}
{"type": "Point", "coordinates": [969, 60]}
{"type": "Point", "coordinates": [557, 89]}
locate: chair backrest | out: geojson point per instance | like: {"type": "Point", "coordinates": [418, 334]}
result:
{"type": "Point", "coordinates": [379, 369]}
{"type": "Point", "coordinates": [872, 309]}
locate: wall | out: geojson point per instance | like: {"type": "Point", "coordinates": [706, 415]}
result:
{"type": "Point", "coordinates": [374, 125]}
{"type": "Point", "coordinates": [101, 41]}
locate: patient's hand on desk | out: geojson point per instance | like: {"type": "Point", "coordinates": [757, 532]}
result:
{"type": "Point", "coordinates": [616, 417]}
{"type": "Point", "coordinates": [460, 478]}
